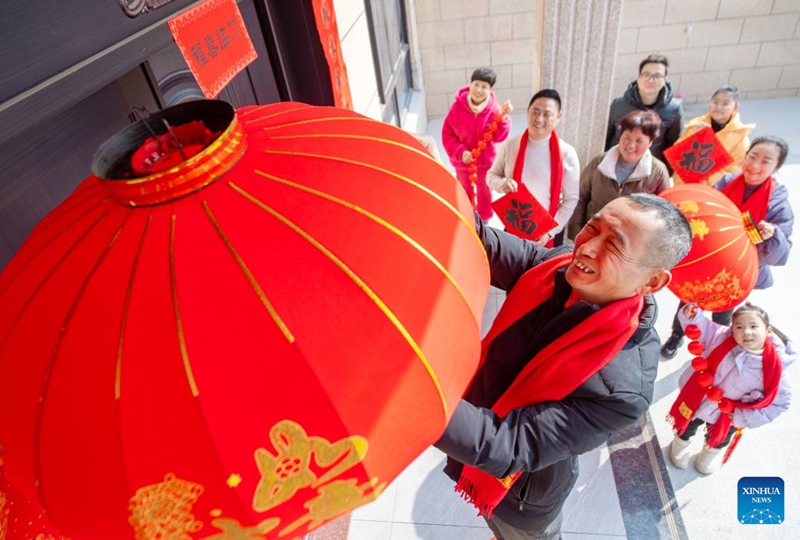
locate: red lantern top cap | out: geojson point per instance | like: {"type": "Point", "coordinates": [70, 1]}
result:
{"type": "Point", "coordinates": [114, 161]}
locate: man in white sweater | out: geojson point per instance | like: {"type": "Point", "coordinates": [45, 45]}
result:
{"type": "Point", "coordinates": [530, 158]}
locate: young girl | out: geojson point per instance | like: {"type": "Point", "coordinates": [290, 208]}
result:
{"type": "Point", "coordinates": [755, 190]}
{"type": "Point", "coordinates": [466, 125]}
{"type": "Point", "coordinates": [742, 370]}
{"type": "Point", "coordinates": [723, 118]}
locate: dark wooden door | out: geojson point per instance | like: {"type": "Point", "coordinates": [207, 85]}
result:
{"type": "Point", "coordinates": [42, 166]}
{"type": "Point", "coordinates": [43, 161]}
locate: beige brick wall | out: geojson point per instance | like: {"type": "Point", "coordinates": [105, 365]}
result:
{"type": "Point", "coordinates": [457, 36]}
{"type": "Point", "coordinates": [754, 44]}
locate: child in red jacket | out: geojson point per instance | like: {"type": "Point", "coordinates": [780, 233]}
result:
{"type": "Point", "coordinates": [474, 123]}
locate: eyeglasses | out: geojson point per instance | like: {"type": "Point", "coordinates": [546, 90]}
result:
{"type": "Point", "coordinates": [652, 76]}
{"type": "Point", "coordinates": [536, 113]}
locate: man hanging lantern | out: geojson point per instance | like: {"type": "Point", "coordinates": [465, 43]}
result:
{"type": "Point", "coordinates": [722, 267]}
{"type": "Point", "coordinates": [252, 339]}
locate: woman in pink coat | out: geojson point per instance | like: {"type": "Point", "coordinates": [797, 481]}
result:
{"type": "Point", "coordinates": [467, 122]}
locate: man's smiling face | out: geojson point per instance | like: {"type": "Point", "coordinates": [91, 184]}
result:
{"type": "Point", "coordinates": [611, 254]}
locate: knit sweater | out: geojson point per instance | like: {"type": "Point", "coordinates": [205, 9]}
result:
{"type": "Point", "coordinates": [536, 174]}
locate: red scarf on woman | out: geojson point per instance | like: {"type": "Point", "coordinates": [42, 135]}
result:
{"type": "Point", "coordinates": [556, 171]}
{"type": "Point", "coordinates": [692, 393]}
{"type": "Point", "coordinates": [757, 203]}
{"type": "Point", "coordinates": [556, 370]}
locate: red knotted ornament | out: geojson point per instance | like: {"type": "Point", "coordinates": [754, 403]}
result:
{"type": "Point", "coordinates": [696, 348]}
{"type": "Point", "coordinates": [488, 135]}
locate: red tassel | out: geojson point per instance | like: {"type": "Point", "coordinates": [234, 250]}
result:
{"type": "Point", "coordinates": [731, 447]}
{"type": "Point", "coordinates": [467, 490]}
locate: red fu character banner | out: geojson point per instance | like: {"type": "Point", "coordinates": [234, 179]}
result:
{"type": "Point", "coordinates": [214, 42]}
{"type": "Point", "coordinates": [523, 215]}
{"type": "Point", "coordinates": [329, 38]}
{"type": "Point", "coordinates": [698, 157]}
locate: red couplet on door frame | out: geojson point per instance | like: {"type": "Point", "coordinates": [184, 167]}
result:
{"type": "Point", "coordinates": [214, 42]}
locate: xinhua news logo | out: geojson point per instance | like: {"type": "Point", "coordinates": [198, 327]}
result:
{"type": "Point", "coordinates": [761, 500]}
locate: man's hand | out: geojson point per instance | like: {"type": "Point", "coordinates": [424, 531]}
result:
{"type": "Point", "coordinates": [509, 185]}
{"type": "Point", "coordinates": [467, 157]}
{"type": "Point", "coordinates": [542, 240]}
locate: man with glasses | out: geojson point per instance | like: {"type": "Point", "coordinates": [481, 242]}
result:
{"type": "Point", "coordinates": [547, 165]}
{"type": "Point", "coordinates": [650, 91]}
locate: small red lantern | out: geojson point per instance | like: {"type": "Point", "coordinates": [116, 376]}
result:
{"type": "Point", "coordinates": [692, 331]}
{"type": "Point", "coordinates": [696, 348]}
{"type": "Point", "coordinates": [249, 343]}
{"type": "Point", "coordinates": [726, 406]}
{"type": "Point", "coordinates": [705, 379]}
{"type": "Point", "coordinates": [714, 394]}
{"type": "Point", "coordinates": [722, 267]}
{"type": "Point", "coordinates": [700, 363]}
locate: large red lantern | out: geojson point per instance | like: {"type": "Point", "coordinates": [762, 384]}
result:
{"type": "Point", "coordinates": [722, 267]}
{"type": "Point", "coordinates": [246, 343]}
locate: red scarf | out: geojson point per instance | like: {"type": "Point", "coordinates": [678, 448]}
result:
{"type": "Point", "coordinates": [758, 202]}
{"type": "Point", "coordinates": [556, 370]}
{"type": "Point", "coordinates": [692, 393]}
{"type": "Point", "coordinates": [556, 171]}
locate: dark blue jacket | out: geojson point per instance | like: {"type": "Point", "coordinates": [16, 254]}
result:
{"type": "Point", "coordinates": [544, 440]}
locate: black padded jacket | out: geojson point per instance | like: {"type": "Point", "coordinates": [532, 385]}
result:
{"type": "Point", "coordinates": [668, 108]}
{"type": "Point", "coordinates": [544, 440]}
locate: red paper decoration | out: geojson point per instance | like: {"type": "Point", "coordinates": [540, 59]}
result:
{"type": "Point", "coordinates": [722, 267]}
{"type": "Point", "coordinates": [522, 214]}
{"type": "Point", "coordinates": [699, 156]}
{"type": "Point", "coordinates": [249, 344]}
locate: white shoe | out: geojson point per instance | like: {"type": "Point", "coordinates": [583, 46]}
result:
{"type": "Point", "coordinates": [679, 452]}
{"type": "Point", "coordinates": [707, 462]}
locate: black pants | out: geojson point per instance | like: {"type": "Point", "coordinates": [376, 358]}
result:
{"type": "Point", "coordinates": [693, 426]}
{"type": "Point", "coordinates": [722, 317]}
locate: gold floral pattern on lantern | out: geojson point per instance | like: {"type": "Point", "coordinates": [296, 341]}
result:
{"type": "Point", "coordinates": [336, 499]}
{"type": "Point", "coordinates": [233, 530]}
{"type": "Point", "coordinates": [164, 510]}
{"type": "Point", "coordinates": [288, 471]}
{"type": "Point", "coordinates": [715, 292]}
{"type": "Point", "coordinates": [699, 228]}
{"type": "Point", "coordinates": [689, 207]}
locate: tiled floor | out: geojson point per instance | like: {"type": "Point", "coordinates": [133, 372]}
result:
{"type": "Point", "coordinates": [421, 503]}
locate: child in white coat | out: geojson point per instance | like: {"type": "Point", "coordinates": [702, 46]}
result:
{"type": "Point", "coordinates": [737, 383]}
